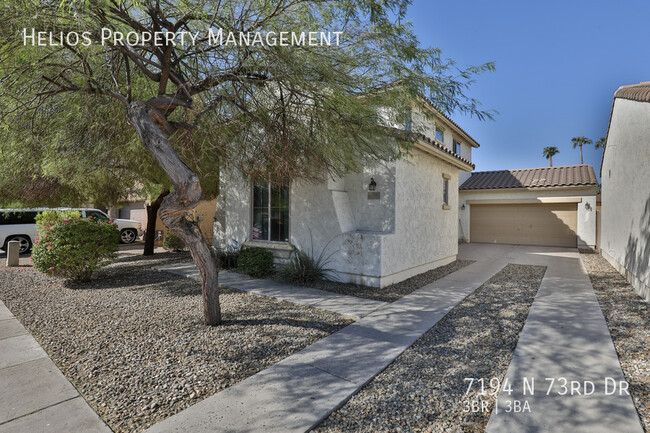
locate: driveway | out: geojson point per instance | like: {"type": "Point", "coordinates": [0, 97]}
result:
{"type": "Point", "coordinates": [565, 374]}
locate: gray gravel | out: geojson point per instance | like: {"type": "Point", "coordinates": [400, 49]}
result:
{"type": "Point", "coordinates": [423, 390]}
{"type": "Point", "coordinates": [133, 343]}
{"type": "Point", "coordinates": [628, 319]}
{"type": "Point", "coordinates": [395, 291]}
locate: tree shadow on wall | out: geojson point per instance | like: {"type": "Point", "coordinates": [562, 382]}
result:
{"type": "Point", "coordinates": [637, 253]}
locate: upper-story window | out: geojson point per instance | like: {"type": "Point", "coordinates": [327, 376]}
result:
{"type": "Point", "coordinates": [440, 134]}
{"type": "Point", "coordinates": [408, 123]}
{"type": "Point", "coordinates": [270, 212]}
{"type": "Point", "coordinates": [456, 147]}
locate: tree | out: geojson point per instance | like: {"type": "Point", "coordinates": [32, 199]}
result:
{"type": "Point", "coordinates": [549, 152]}
{"type": "Point", "coordinates": [274, 111]}
{"type": "Point", "coordinates": [601, 142]}
{"type": "Point", "coordinates": [579, 141]}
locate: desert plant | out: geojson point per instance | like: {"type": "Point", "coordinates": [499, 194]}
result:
{"type": "Point", "coordinates": [173, 243]}
{"type": "Point", "coordinates": [256, 262]}
{"type": "Point", "coordinates": [49, 218]}
{"type": "Point", "coordinates": [305, 268]}
{"type": "Point", "coordinates": [74, 248]}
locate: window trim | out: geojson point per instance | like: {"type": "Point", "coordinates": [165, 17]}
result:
{"type": "Point", "coordinates": [445, 191]}
{"type": "Point", "coordinates": [456, 147]}
{"type": "Point", "coordinates": [442, 134]}
{"type": "Point", "coordinates": [251, 214]}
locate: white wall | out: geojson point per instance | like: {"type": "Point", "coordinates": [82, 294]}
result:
{"type": "Point", "coordinates": [625, 237]}
{"type": "Point", "coordinates": [586, 229]}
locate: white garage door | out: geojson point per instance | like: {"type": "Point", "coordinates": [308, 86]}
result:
{"type": "Point", "coordinates": [525, 224]}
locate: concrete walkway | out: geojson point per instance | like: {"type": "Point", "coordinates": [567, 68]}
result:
{"type": "Point", "coordinates": [35, 396]}
{"type": "Point", "coordinates": [300, 391]}
{"type": "Point", "coordinates": [349, 306]}
{"type": "Point", "coordinates": [564, 343]}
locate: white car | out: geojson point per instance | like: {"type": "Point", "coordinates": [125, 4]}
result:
{"type": "Point", "coordinates": [20, 225]}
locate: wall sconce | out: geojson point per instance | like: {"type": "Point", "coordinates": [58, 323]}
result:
{"type": "Point", "coordinates": [372, 185]}
{"type": "Point", "coordinates": [588, 206]}
{"type": "Point", "coordinates": [463, 207]}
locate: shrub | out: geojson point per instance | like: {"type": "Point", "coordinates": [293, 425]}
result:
{"type": "Point", "coordinates": [227, 259]}
{"type": "Point", "coordinates": [75, 248]}
{"type": "Point", "coordinates": [256, 262]}
{"type": "Point", "coordinates": [173, 243]}
{"type": "Point", "coordinates": [49, 218]}
{"type": "Point", "coordinates": [303, 269]}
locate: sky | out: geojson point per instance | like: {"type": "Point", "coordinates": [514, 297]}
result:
{"type": "Point", "coordinates": [558, 64]}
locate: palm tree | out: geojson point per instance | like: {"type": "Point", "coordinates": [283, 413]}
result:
{"type": "Point", "coordinates": [579, 141]}
{"type": "Point", "coordinates": [601, 142]}
{"type": "Point", "coordinates": [549, 152]}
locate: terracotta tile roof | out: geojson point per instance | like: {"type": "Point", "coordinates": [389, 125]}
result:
{"type": "Point", "coordinates": [568, 175]}
{"type": "Point", "coordinates": [438, 145]}
{"type": "Point", "coordinates": [636, 92]}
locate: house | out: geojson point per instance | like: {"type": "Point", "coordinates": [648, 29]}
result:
{"type": "Point", "coordinates": [552, 206]}
{"type": "Point", "coordinates": [385, 224]}
{"type": "Point", "coordinates": [625, 174]}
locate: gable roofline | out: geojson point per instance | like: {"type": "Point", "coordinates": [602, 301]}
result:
{"type": "Point", "coordinates": [452, 124]}
{"type": "Point", "coordinates": [634, 92]}
{"type": "Point", "coordinates": [540, 177]}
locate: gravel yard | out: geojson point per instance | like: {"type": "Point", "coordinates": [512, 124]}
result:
{"type": "Point", "coordinates": [395, 291]}
{"type": "Point", "coordinates": [423, 390]}
{"type": "Point", "coordinates": [133, 343]}
{"type": "Point", "coordinates": [628, 319]}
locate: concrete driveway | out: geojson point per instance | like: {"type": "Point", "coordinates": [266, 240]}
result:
{"type": "Point", "coordinates": [565, 374]}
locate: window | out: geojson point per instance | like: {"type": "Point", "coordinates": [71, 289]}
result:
{"type": "Point", "coordinates": [18, 217]}
{"type": "Point", "coordinates": [440, 134]}
{"type": "Point", "coordinates": [445, 192]}
{"type": "Point", "coordinates": [270, 213]}
{"type": "Point", "coordinates": [456, 147]}
{"type": "Point", "coordinates": [96, 214]}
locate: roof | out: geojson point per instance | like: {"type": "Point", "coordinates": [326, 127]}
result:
{"type": "Point", "coordinates": [568, 175]}
{"type": "Point", "coordinates": [634, 92]}
{"type": "Point", "coordinates": [438, 145]}
{"type": "Point", "coordinates": [473, 142]}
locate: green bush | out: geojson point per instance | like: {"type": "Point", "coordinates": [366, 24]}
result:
{"type": "Point", "coordinates": [173, 243]}
{"type": "Point", "coordinates": [227, 259]}
{"type": "Point", "coordinates": [49, 218]}
{"type": "Point", "coordinates": [75, 248]}
{"type": "Point", "coordinates": [303, 269]}
{"type": "Point", "coordinates": [256, 262]}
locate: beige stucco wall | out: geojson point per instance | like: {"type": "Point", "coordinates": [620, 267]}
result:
{"type": "Point", "coordinates": [586, 214]}
{"type": "Point", "coordinates": [625, 237]}
{"type": "Point", "coordinates": [373, 242]}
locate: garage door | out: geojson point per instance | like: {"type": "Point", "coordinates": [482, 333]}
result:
{"type": "Point", "coordinates": [524, 224]}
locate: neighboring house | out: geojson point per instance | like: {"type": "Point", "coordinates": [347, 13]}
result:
{"type": "Point", "coordinates": [553, 206]}
{"type": "Point", "coordinates": [625, 174]}
{"type": "Point", "coordinates": [383, 225]}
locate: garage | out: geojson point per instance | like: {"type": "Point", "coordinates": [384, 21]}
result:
{"type": "Point", "coordinates": [546, 206]}
{"type": "Point", "coordinates": [547, 224]}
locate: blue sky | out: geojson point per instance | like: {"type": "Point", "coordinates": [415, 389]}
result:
{"type": "Point", "coordinates": [558, 64]}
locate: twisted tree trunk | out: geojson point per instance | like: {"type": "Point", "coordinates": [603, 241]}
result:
{"type": "Point", "coordinates": [186, 195]}
{"type": "Point", "coordinates": [152, 214]}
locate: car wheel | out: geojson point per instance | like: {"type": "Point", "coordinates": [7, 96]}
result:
{"type": "Point", "coordinates": [128, 236]}
{"type": "Point", "coordinates": [25, 243]}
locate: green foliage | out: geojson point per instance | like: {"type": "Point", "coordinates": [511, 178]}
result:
{"type": "Point", "coordinates": [256, 262]}
{"type": "Point", "coordinates": [227, 259]}
{"type": "Point", "coordinates": [75, 248]}
{"type": "Point", "coordinates": [173, 243]}
{"type": "Point", "coordinates": [49, 218]}
{"type": "Point", "coordinates": [303, 269]}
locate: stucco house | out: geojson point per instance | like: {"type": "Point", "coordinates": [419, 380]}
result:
{"type": "Point", "coordinates": [552, 206]}
{"type": "Point", "coordinates": [625, 174]}
{"type": "Point", "coordinates": [383, 225]}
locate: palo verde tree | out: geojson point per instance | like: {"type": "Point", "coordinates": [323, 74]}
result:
{"type": "Point", "coordinates": [549, 152]}
{"type": "Point", "coordinates": [262, 98]}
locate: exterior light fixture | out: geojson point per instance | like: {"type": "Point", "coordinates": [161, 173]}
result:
{"type": "Point", "coordinates": [372, 185]}
{"type": "Point", "coordinates": [463, 206]}
{"type": "Point", "coordinates": [588, 206]}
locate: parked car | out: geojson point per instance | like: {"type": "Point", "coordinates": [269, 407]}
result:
{"type": "Point", "coordinates": [20, 225]}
